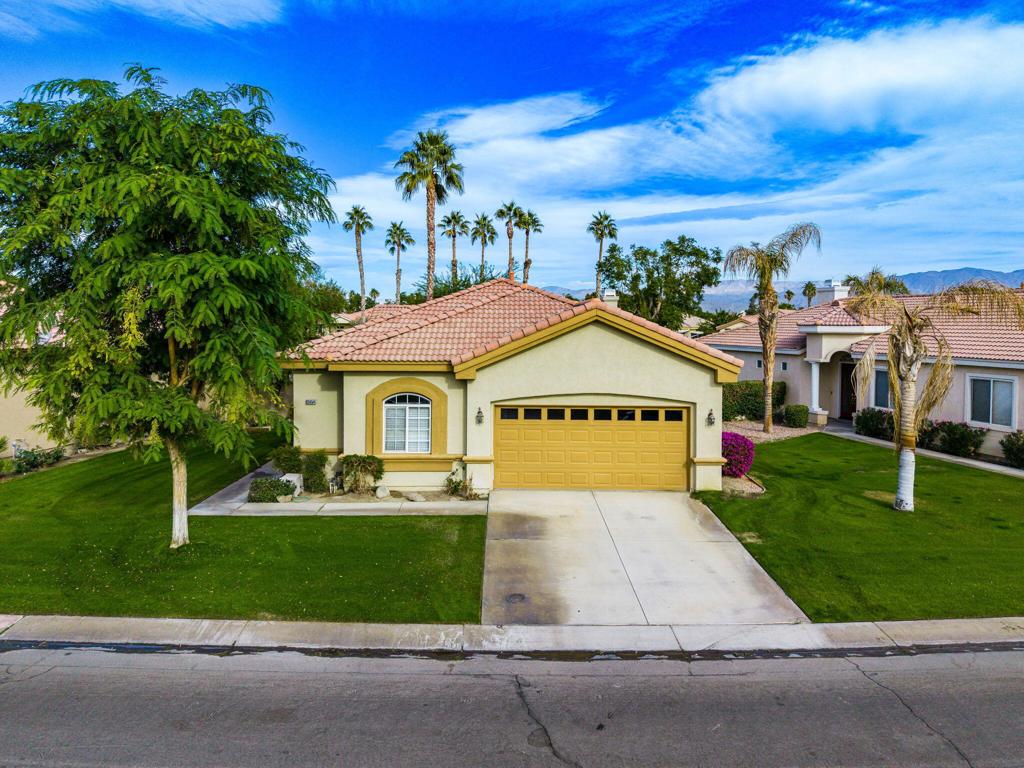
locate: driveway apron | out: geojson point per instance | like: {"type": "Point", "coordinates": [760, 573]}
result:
{"type": "Point", "coordinates": [620, 557]}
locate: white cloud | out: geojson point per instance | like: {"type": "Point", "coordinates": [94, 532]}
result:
{"type": "Point", "coordinates": [947, 189]}
{"type": "Point", "coordinates": [27, 19]}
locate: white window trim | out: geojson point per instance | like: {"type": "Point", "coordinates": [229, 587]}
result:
{"type": "Point", "coordinates": [968, 386]}
{"type": "Point", "coordinates": [429, 405]}
{"type": "Point", "coordinates": [871, 394]}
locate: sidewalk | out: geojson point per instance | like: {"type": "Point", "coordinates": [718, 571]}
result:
{"type": "Point", "coordinates": [841, 430]}
{"type": "Point", "coordinates": [240, 634]}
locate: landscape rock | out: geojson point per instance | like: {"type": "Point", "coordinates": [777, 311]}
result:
{"type": "Point", "coordinates": [382, 492]}
{"type": "Point", "coordinates": [414, 496]}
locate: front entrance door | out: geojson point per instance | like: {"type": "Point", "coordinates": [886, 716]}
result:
{"type": "Point", "coordinates": [847, 391]}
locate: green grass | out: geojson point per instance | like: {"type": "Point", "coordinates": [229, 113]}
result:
{"type": "Point", "coordinates": [830, 538]}
{"type": "Point", "coordinates": [91, 539]}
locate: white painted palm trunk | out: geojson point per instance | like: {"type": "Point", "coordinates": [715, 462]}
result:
{"type": "Point", "coordinates": [179, 498]}
{"type": "Point", "coordinates": [905, 480]}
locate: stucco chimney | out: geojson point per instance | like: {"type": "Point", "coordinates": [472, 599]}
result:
{"type": "Point", "coordinates": [610, 297]}
{"type": "Point", "coordinates": [832, 290]}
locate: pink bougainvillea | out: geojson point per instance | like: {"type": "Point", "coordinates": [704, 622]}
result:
{"type": "Point", "coordinates": [738, 452]}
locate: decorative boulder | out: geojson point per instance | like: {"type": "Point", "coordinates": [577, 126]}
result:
{"type": "Point", "coordinates": [382, 492]}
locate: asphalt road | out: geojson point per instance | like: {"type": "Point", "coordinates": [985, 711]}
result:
{"type": "Point", "coordinates": [98, 708]}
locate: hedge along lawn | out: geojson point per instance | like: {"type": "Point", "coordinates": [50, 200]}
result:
{"type": "Point", "coordinates": [91, 538]}
{"type": "Point", "coordinates": [826, 532]}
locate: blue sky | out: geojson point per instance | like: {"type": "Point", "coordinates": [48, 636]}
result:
{"type": "Point", "coordinates": [894, 126]}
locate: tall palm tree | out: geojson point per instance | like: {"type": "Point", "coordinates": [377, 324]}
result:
{"type": "Point", "coordinates": [810, 291]}
{"type": "Point", "coordinates": [484, 231]}
{"type": "Point", "coordinates": [509, 213]}
{"type": "Point", "coordinates": [914, 335]}
{"type": "Point", "coordinates": [876, 281]}
{"type": "Point", "coordinates": [430, 164]}
{"type": "Point", "coordinates": [762, 264]}
{"type": "Point", "coordinates": [789, 295]}
{"type": "Point", "coordinates": [453, 225]}
{"type": "Point", "coordinates": [358, 220]}
{"type": "Point", "coordinates": [603, 227]}
{"type": "Point", "coordinates": [397, 240]}
{"type": "Point", "coordinates": [528, 222]}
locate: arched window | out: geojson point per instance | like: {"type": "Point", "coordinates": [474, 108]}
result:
{"type": "Point", "coordinates": [407, 424]}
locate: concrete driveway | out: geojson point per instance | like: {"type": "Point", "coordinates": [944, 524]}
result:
{"type": "Point", "coordinates": [620, 557]}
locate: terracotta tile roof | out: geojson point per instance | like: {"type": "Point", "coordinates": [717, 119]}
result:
{"type": "Point", "coordinates": [378, 312]}
{"type": "Point", "coordinates": [460, 326]}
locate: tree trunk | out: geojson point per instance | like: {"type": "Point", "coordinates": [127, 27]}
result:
{"type": "Point", "coordinates": [600, 257]}
{"type": "Point", "coordinates": [398, 275]}
{"type": "Point", "coordinates": [767, 323]}
{"type": "Point", "coordinates": [908, 445]}
{"type": "Point", "coordinates": [455, 267]}
{"type": "Point", "coordinates": [526, 259]}
{"type": "Point", "coordinates": [362, 275]}
{"type": "Point", "coordinates": [431, 242]}
{"type": "Point", "coordinates": [179, 496]}
{"type": "Point", "coordinates": [483, 262]}
{"type": "Point", "coordinates": [511, 261]}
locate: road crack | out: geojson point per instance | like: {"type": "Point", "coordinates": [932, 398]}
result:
{"type": "Point", "coordinates": [906, 705]}
{"type": "Point", "coordinates": [542, 731]}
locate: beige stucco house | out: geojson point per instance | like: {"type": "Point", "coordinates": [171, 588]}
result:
{"type": "Point", "coordinates": [17, 420]}
{"type": "Point", "coordinates": [517, 388]}
{"type": "Point", "coordinates": [819, 346]}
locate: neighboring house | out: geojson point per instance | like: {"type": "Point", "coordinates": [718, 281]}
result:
{"type": "Point", "coordinates": [818, 348]}
{"type": "Point", "coordinates": [521, 387]}
{"type": "Point", "coordinates": [689, 325]}
{"type": "Point", "coordinates": [17, 418]}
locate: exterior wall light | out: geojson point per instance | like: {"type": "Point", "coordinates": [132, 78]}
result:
{"type": "Point", "coordinates": [711, 417]}
{"type": "Point", "coordinates": [479, 415]}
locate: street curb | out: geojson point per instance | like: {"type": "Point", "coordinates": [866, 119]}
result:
{"type": "Point", "coordinates": [468, 638]}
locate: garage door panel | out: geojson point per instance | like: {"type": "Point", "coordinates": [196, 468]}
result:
{"type": "Point", "coordinates": [627, 452]}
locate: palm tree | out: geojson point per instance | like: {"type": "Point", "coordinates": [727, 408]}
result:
{"type": "Point", "coordinates": [398, 239]}
{"type": "Point", "coordinates": [528, 222]}
{"type": "Point", "coordinates": [602, 226]}
{"type": "Point", "coordinates": [453, 225]}
{"type": "Point", "coordinates": [810, 291]}
{"type": "Point", "coordinates": [915, 335]}
{"type": "Point", "coordinates": [358, 220]}
{"type": "Point", "coordinates": [509, 213]}
{"type": "Point", "coordinates": [763, 263]}
{"type": "Point", "coordinates": [789, 296]}
{"type": "Point", "coordinates": [483, 230]}
{"type": "Point", "coordinates": [876, 281]}
{"type": "Point", "coordinates": [430, 164]}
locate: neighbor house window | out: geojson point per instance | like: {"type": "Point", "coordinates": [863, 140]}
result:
{"type": "Point", "coordinates": [883, 397]}
{"type": "Point", "coordinates": [407, 424]}
{"type": "Point", "coordinates": [759, 363]}
{"type": "Point", "coordinates": [785, 366]}
{"type": "Point", "coordinates": [991, 401]}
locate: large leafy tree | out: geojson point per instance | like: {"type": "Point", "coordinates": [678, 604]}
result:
{"type": "Point", "coordinates": [429, 164]}
{"type": "Point", "coordinates": [530, 223]}
{"type": "Point", "coordinates": [484, 231]}
{"type": "Point", "coordinates": [397, 240]}
{"type": "Point", "coordinates": [357, 220]}
{"type": "Point", "coordinates": [603, 227]}
{"type": "Point", "coordinates": [161, 236]}
{"type": "Point", "coordinates": [763, 264]}
{"type": "Point", "coordinates": [916, 335]}
{"type": "Point", "coordinates": [876, 281]}
{"type": "Point", "coordinates": [663, 285]}
{"type": "Point", "coordinates": [510, 213]}
{"type": "Point", "coordinates": [452, 225]}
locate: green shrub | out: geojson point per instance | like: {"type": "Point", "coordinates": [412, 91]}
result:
{"type": "Point", "coordinates": [359, 472]}
{"type": "Point", "coordinates": [874, 422]}
{"type": "Point", "coordinates": [314, 478]}
{"type": "Point", "coordinates": [6, 467]}
{"type": "Point", "coordinates": [956, 438]}
{"type": "Point", "coordinates": [287, 459]}
{"type": "Point", "coordinates": [264, 490]}
{"type": "Point", "coordinates": [746, 399]}
{"type": "Point", "coordinates": [3, 443]}
{"type": "Point", "coordinates": [795, 415]}
{"type": "Point", "coordinates": [28, 460]}
{"type": "Point", "coordinates": [1013, 449]}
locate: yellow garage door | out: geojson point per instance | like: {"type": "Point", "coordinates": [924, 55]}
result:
{"type": "Point", "coordinates": [599, 448]}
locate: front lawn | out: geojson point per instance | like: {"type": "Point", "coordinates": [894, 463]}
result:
{"type": "Point", "coordinates": [826, 532]}
{"type": "Point", "coordinates": [91, 539]}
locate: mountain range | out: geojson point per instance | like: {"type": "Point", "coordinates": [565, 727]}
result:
{"type": "Point", "coordinates": [735, 294]}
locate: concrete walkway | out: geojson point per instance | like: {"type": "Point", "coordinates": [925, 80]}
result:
{"type": "Point", "coordinates": [845, 431]}
{"type": "Point", "coordinates": [231, 501]}
{"type": "Point", "coordinates": [620, 558]}
{"type": "Point", "coordinates": [490, 638]}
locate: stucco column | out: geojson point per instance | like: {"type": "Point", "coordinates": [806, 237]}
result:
{"type": "Point", "coordinates": [815, 379]}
